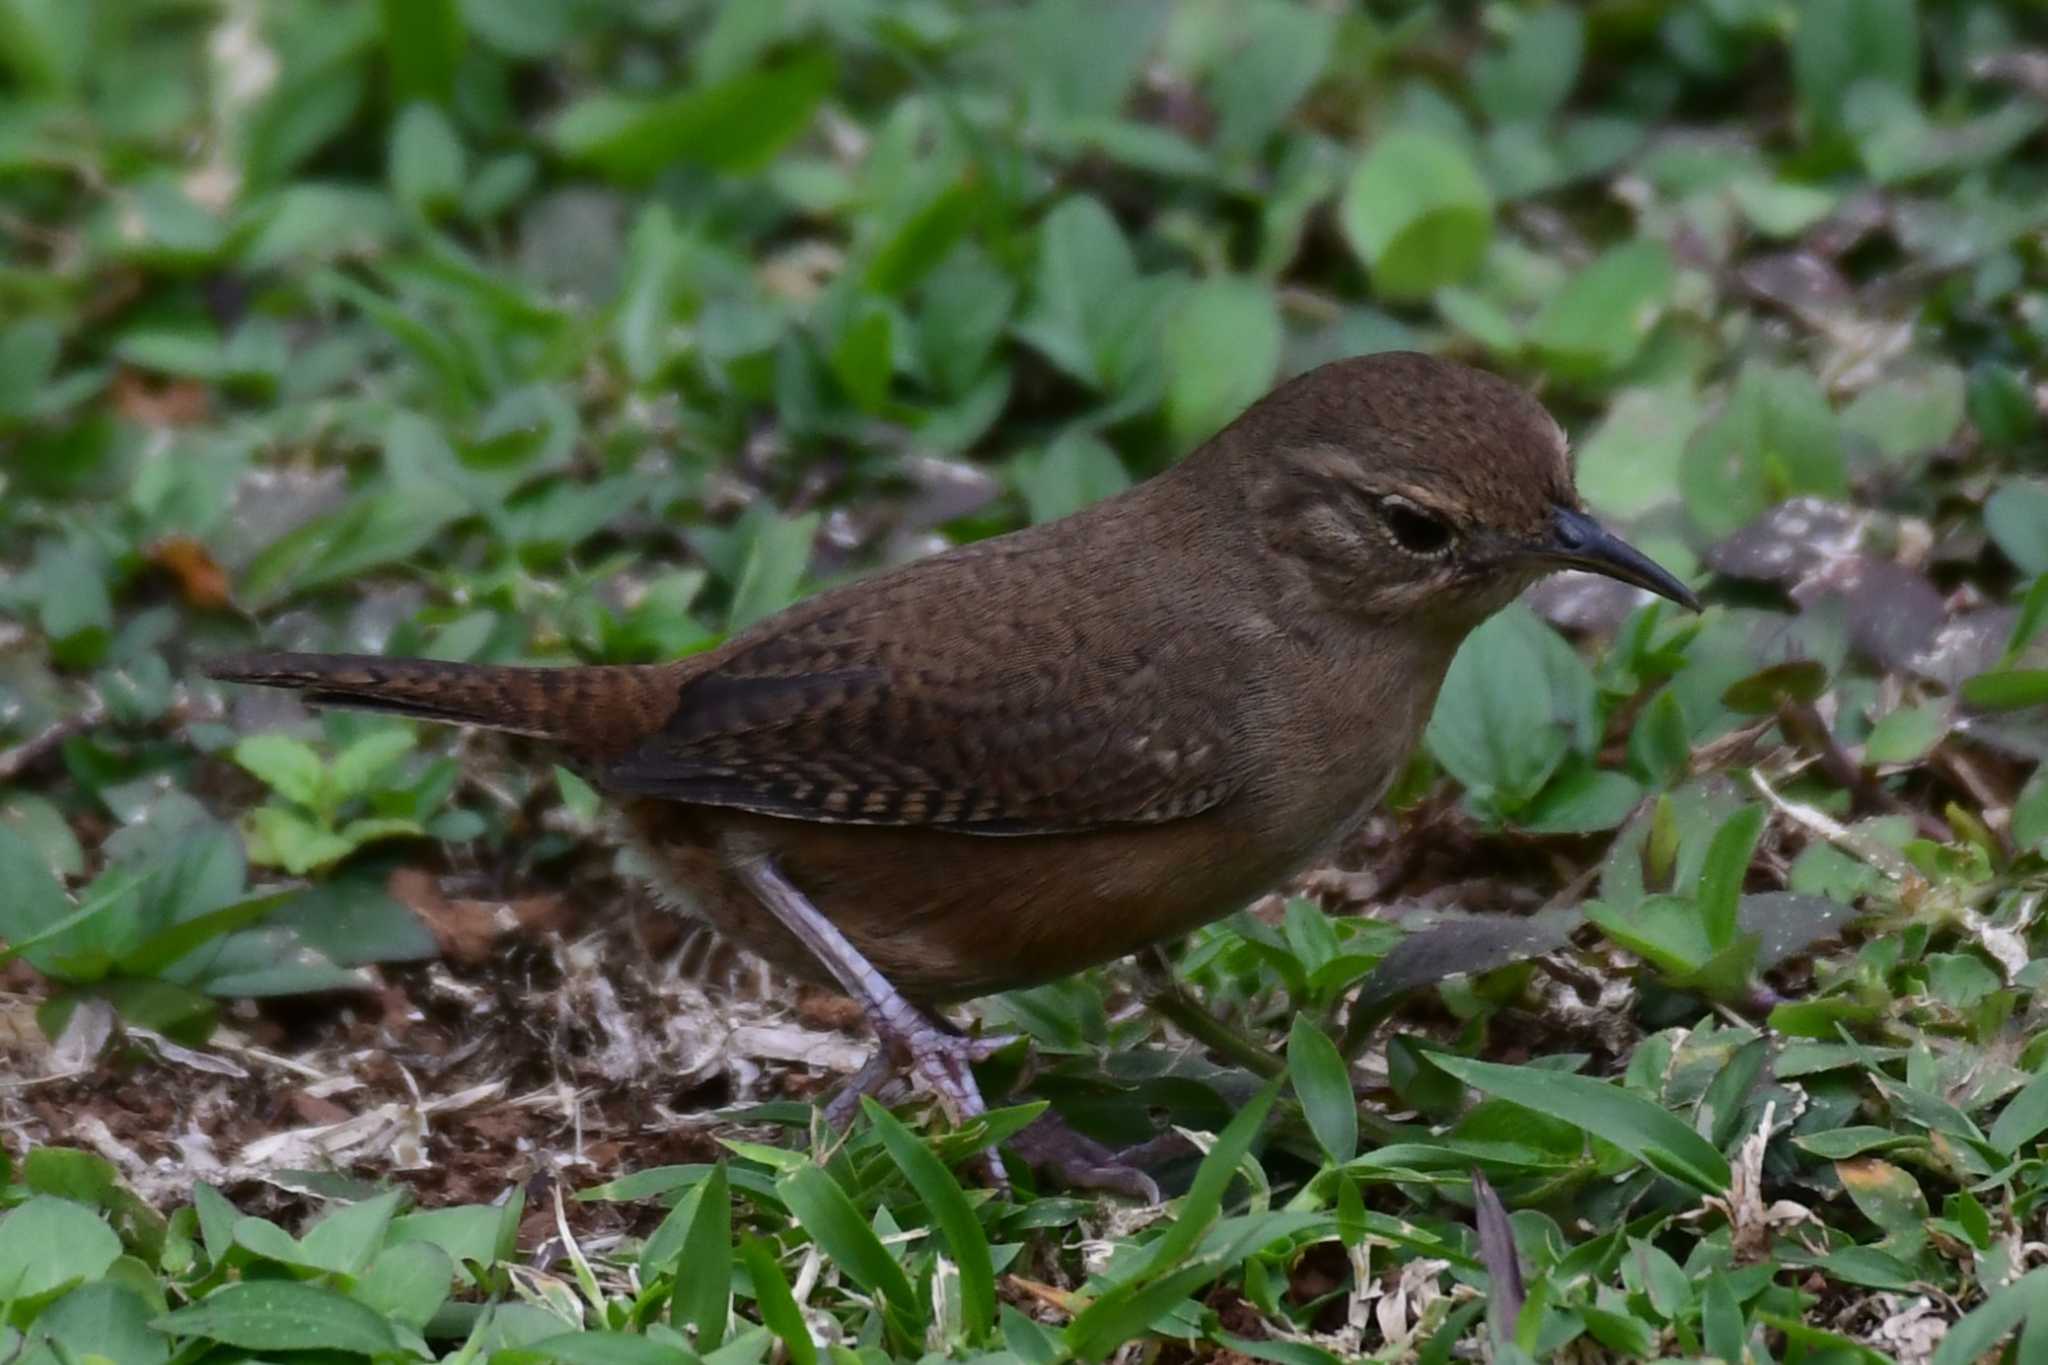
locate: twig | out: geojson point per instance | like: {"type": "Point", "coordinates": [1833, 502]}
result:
{"type": "Point", "coordinates": [37, 746]}
{"type": "Point", "coordinates": [1886, 860]}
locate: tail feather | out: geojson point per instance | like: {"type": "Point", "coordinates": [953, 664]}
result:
{"type": "Point", "coordinates": [602, 709]}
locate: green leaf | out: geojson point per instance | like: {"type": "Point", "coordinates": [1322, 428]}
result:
{"type": "Point", "coordinates": [1222, 347]}
{"type": "Point", "coordinates": [2017, 518]}
{"type": "Point", "coordinates": [1908, 734]}
{"type": "Point", "coordinates": [1204, 1199]}
{"type": "Point", "coordinates": [1086, 293]}
{"type": "Point", "coordinates": [2007, 689]}
{"type": "Point", "coordinates": [924, 238]}
{"type": "Point", "coordinates": [1599, 320]}
{"type": "Point", "coordinates": [1417, 213]}
{"type": "Point", "coordinates": [47, 1243]}
{"type": "Point", "coordinates": [1072, 472]}
{"type": "Point", "coordinates": [107, 1320]}
{"type": "Point", "coordinates": [1639, 1127]}
{"type": "Point", "coordinates": [950, 1210]}
{"type": "Point", "coordinates": [423, 42]}
{"type": "Point", "coordinates": [1909, 414]}
{"type": "Point", "coordinates": [776, 561]}
{"type": "Point", "coordinates": [1516, 700]}
{"type": "Point", "coordinates": [607, 1348]}
{"type": "Point", "coordinates": [1839, 44]}
{"type": "Point", "coordinates": [407, 1283]}
{"type": "Point", "coordinates": [355, 770]}
{"type": "Point", "coordinates": [736, 124]}
{"type": "Point", "coordinates": [776, 1303]}
{"type": "Point", "coordinates": [1533, 75]}
{"type": "Point", "coordinates": [284, 838]}
{"type": "Point", "coordinates": [1721, 877]}
{"type": "Point", "coordinates": [1323, 1085]}
{"type": "Point", "coordinates": [1775, 438]}
{"type": "Point", "coordinates": [427, 161]}
{"type": "Point", "coordinates": [282, 1315]}
{"type": "Point", "coordinates": [693, 1245]}
{"type": "Point", "coordinates": [1580, 799]}
{"type": "Point", "coordinates": [863, 357]}
{"type": "Point", "coordinates": [287, 766]}
{"type": "Point", "coordinates": [818, 1203]}
{"type": "Point", "coordinates": [2024, 1118]}
{"type": "Point", "coordinates": [1134, 1306]}
{"type": "Point", "coordinates": [31, 900]}
{"type": "Point", "coordinates": [1279, 51]}
{"type": "Point", "coordinates": [345, 1239]}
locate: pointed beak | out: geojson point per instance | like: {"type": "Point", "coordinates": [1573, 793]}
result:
{"type": "Point", "coordinates": [1579, 542]}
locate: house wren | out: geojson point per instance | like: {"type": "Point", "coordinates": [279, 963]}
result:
{"type": "Point", "coordinates": [1018, 758]}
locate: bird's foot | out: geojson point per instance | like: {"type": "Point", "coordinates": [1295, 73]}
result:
{"type": "Point", "coordinates": [943, 1061]}
{"type": "Point", "coordinates": [1076, 1161]}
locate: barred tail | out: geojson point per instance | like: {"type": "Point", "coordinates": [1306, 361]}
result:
{"type": "Point", "coordinates": [585, 708]}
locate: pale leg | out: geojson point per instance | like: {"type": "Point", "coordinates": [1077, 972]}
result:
{"type": "Point", "coordinates": [940, 1058]}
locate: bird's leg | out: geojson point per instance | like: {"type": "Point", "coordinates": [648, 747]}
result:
{"type": "Point", "coordinates": [936, 1055]}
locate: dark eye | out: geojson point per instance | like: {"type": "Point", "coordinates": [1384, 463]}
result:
{"type": "Point", "coordinates": [1416, 531]}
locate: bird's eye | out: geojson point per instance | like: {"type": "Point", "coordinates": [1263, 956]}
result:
{"type": "Point", "coordinates": [1414, 530]}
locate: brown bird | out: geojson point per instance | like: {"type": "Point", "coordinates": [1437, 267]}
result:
{"type": "Point", "coordinates": [1016, 759]}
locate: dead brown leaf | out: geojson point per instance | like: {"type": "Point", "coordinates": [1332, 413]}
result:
{"type": "Point", "coordinates": [201, 580]}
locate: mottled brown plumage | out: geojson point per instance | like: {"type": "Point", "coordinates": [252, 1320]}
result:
{"type": "Point", "coordinates": [1153, 710]}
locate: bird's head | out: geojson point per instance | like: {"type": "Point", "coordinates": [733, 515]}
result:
{"type": "Point", "coordinates": [1402, 487]}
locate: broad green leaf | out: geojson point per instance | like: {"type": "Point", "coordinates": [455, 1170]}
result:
{"type": "Point", "coordinates": [31, 901]}
{"type": "Point", "coordinates": [607, 1348]}
{"type": "Point", "coordinates": [407, 1283]}
{"type": "Point", "coordinates": [2024, 1118]}
{"type": "Point", "coordinates": [356, 769]}
{"type": "Point", "coordinates": [427, 160]}
{"type": "Point", "coordinates": [345, 1239]}
{"type": "Point", "coordinates": [1323, 1085]}
{"type": "Point", "coordinates": [423, 43]}
{"type": "Point", "coordinates": [282, 1315]}
{"type": "Point", "coordinates": [1838, 44]}
{"type": "Point", "coordinates": [1909, 414]}
{"type": "Point", "coordinates": [1280, 50]}
{"type": "Point", "coordinates": [1516, 700]}
{"type": "Point", "coordinates": [2017, 518]}
{"type": "Point", "coordinates": [1721, 877]}
{"type": "Point", "coordinates": [693, 1245]}
{"type": "Point", "coordinates": [1222, 347]}
{"type": "Point", "coordinates": [775, 565]}
{"type": "Point", "coordinates": [2007, 689]}
{"type": "Point", "coordinates": [1639, 1127]}
{"type": "Point", "coordinates": [735, 124]}
{"type": "Point", "coordinates": [1534, 73]}
{"type": "Point", "coordinates": [1908, 734]}
{"type": "Point", "coordinates": [1417, 213]}
{"type": "Point", "coordinates": [1598, 321]}
{"type": "Point", "coordinates": [1775, 438]}
{"type": "Point", "coordinates": [107, 1320]}
{"type": "Point", "coordinates": [1629, 465]}
{"type": "Point", "coordinates": [1072, 472]}
{"type": "Point", "coordinates": [47, 1243]}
